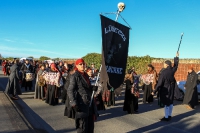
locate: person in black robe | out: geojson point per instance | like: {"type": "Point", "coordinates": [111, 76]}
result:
{"type": "Point", "coordinates": [69, 111]}
{"type": "Point", "coordinates": [191, 94]}
{"type": "Point", "coordinates": [8, 68]}
{"type": "Point", "coordinates": [166, 85]}
{"type": "Point", "coordinates": [80, 97]}
{"type": "Point", "coordinates": [26, 68]}
{"type": "Point", "coordinates": [130, 99]}
{"type": "Point", "coordinates": [13, 86]}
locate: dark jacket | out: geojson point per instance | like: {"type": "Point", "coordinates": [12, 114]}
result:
{"type": "Point", "coordinates": [13, 81]}
{"type": "Point", "coordinates": [80, 92]}
{"type": "Point", "coordinates": [166, 83]}
{"type": "Point", "coordinates": [25, 69]}
{"type": "Point", "coordinates": [191, 94]}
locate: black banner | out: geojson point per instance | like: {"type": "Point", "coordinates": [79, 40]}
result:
{"type": "Point", "coordinates": [115, 43]}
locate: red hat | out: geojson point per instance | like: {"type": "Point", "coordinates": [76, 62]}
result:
{"type": "Point", "coordinates": [78, 61]}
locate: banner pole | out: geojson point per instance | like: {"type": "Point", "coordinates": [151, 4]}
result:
{"type": "Point", "coordinates": [118, 12]}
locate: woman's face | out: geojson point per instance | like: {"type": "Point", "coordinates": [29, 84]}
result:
{"type": "Point", "coordinates": [149, 68]}
{"type": "Point", "coordinates": [89, 73]}
{"type": "Point", "coordinates": [42, 67]}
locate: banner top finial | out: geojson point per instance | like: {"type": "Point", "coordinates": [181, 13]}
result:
{"type": "Point", "coordinates": [121, 6]}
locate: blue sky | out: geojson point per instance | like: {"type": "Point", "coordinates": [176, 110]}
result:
{"type": "Point", "coordinates": [71, 28]}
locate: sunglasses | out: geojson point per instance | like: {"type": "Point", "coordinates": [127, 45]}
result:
{"type": "Point", "coordinates": [81, 64]}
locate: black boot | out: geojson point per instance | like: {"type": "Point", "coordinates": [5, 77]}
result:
{"type": "Point", "coordinates": [165, 119]}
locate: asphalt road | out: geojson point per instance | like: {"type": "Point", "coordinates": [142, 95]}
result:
{"type": "Point", "coordinates": [46, 118]}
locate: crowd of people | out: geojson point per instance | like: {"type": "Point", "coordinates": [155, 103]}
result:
{"type": "Point", "coordinates": [80, 90]}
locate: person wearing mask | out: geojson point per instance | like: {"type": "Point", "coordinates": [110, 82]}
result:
{"type": "Point", "coordinates": [191, 94]}
{"type": "Point", "coordinates": [166, 85]}
{"type": "Point", "coordinates": [80, 92]}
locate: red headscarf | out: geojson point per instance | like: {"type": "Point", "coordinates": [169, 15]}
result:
{"type": "Point", "coordinates": [78, 61]}
{"type": "Point", "coordinates": [53, 66]}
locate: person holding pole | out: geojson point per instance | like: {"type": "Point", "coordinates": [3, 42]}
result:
{"type": "Point", "coordinates": [166, 85]}
{"type": "Point", "coordinates": [79, 93]}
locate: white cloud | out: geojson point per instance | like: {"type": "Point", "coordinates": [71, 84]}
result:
{"type": "Point", "coordinates": [26, 42]}
{"type": "Point", "coordinates": [20, 52]}
{"type": "Point", "coordinates": [8, 40]}
{"type": "Point", "coordinates": [17, 41]}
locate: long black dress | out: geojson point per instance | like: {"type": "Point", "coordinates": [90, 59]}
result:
{"type": "Point", "coordinates": [130, 101]}
{"type": "Point", "coordinates": [191, 94]}
{"type": "Point", "coordinates": [69, 111]}
{"type": "Point", "coordinates": [147, 97]}
{"type": "Point", "coordinates": [52, 91]}
{"type": "Point", "coordinates": [13, 81]}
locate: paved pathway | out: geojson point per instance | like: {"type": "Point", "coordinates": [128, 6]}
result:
{"type": "Point", "coordinates": [11, 118]}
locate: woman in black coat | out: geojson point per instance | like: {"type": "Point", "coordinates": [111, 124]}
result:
{"type": "Point", "coordinates": [69, 111]}
{"type": "Point", "coordinates": [13, 86]}
{"type": "Point", "coordinates": [130, 100]}
{"type": "Point", "coordinates": [191, 94]}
